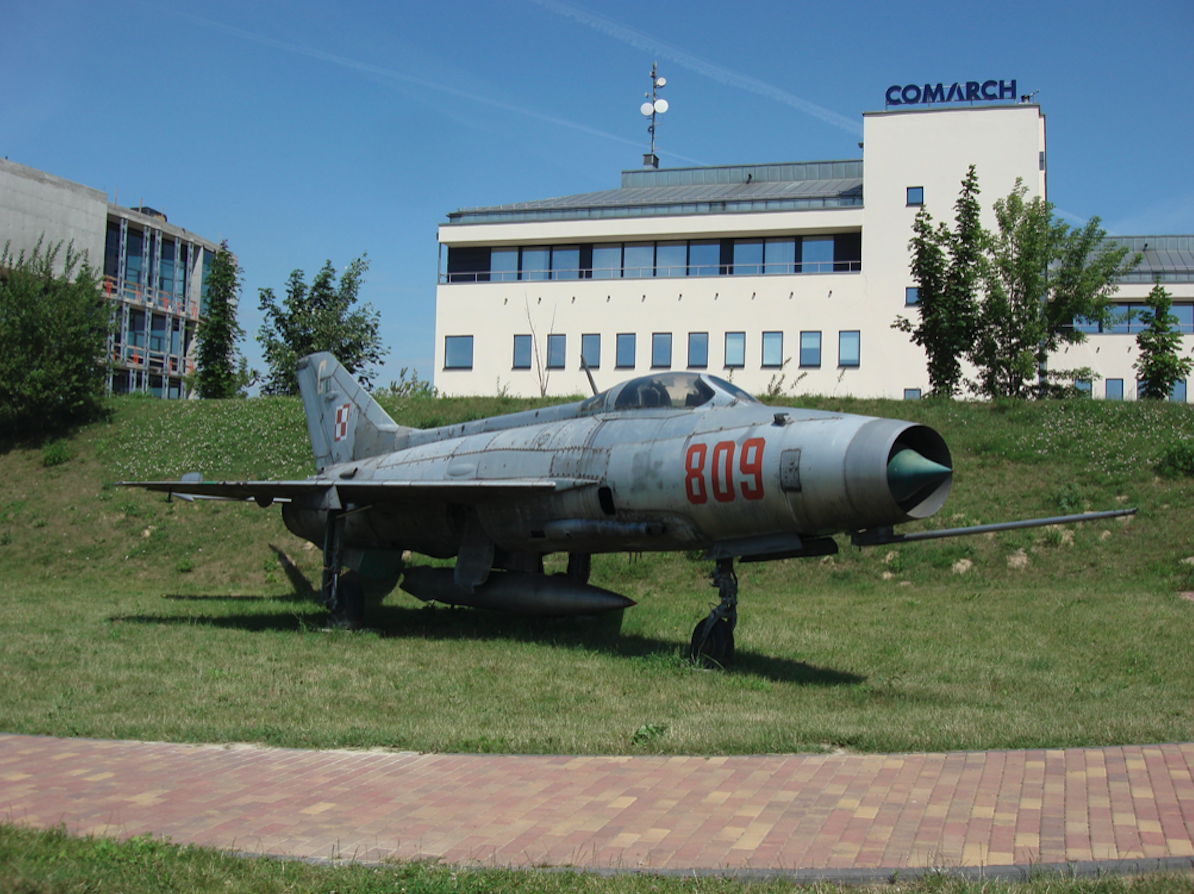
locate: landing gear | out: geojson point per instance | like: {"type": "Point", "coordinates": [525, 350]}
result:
{"type": "Point", "coordinates": [713, 638]}
{"type": "Point", "coordinates": [341, 594]}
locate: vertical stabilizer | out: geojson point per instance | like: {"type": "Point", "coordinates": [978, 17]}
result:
{"type": "Point", "coordinates": [344, 422]}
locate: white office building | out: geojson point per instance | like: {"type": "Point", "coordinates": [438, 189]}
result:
{"type": "Point", "coordinates": [783, 276]}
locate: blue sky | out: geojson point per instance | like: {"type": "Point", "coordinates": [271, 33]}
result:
{"type": "Point", "coordinates": [302, 132]}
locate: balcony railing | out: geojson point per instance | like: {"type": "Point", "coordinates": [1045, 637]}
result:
{"type": "Point", "coordinates": [154, 299]}
{"type": "Point", "coordinates": [654, 272]}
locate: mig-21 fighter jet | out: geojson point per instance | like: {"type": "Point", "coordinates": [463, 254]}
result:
{"type": "Point", "coordinates": [667, 461]}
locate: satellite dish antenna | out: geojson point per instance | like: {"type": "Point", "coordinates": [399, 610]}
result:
{"type": "Point", "coordinates": [655, 105]}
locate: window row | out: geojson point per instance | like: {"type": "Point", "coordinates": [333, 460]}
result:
{"type": "Point", "coordinates": [838, 253]}
{"type": "Point", "coordinates": [1130, 318]}
{"type": "Point", "coordinates": [458, 350]}
{"type": "Point", "coordinates": [1114, 389]}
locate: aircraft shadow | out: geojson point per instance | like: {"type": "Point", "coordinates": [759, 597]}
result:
{"type": "Point", "coordinates": [446, 624]}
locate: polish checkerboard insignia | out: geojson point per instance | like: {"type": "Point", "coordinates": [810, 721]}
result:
{"type": "Point", "coordinates": [341, 430]}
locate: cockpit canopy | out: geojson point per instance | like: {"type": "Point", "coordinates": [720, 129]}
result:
{"type": "Point", "coordinates": [666, 390]}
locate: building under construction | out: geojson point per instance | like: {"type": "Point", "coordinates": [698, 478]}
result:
{"type": "Point", "coordinates": [155, 273]}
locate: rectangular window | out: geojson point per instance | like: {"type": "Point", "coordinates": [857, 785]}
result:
{"type": "Point", "coordinates": [1115, 389]}
{"type": "Point", "coordinates": [1178, 393]}
{"type": "Point", "coordinates": [661, 350]}
{"type": "Point", "coordinates": [671, 259]}
{"type": "Point", "coordinates": [556, 351]}
{"type": "Point", "coordinates": [1081, 324]}
{"type": "Point", "coordinates": [1083, 387]}
{"type": "Point", "coordinates": [810, 348]}
{"type": "Point", "coordinates": [1185, 317]}
{"type": "Point", "coordinates": [698, 350]}
{"type": "Point", "coordinates": [458, 352]}
{"type": "Point", "coordinates": [536, 263]}
{"type": "Point", "coordinates": [704, 258]}
{"type": "Point", "coordinates": [565, 262]}
{"type": "Point", "coordinates": [624, 350]}
{"type": "Point", "coordinates": [748, 257]}
{"type": "Point", "coordinates": [638, 260]}
{"type": "Point", "coordinates": [779, 256]}
{"type": "Point", "coordinates": [607, 261]}
{"type": "Point", "coordinates": [735, 350]}
{"type": "Point", "coordinates": [911, 296]}
{"type": "Point", "coordinates": [773, 349]}
{"type": "Point", "coordinates": [911, 394]}
{"type": "Point", "coordinates": [590, 350]}
{"type": "Point", "coordinates": [816, 254]}
{"type": "Point", "coordinates": [522, 352]}
{"type": "Point", "coordinates": [503, 265]}
{"type": "Point", "coordinates": [916, 195]}
{"type": "Point", "coordinates": [849, 348]}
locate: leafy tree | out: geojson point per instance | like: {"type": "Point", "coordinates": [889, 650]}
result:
{"type": "Point", "coordinates": [947, 266]}
{"type": "Point", "coordinates": [1041, 276]}
{"type": "Point", "coordinates": [54, 328]}
{"type": "Point", "coordinates": [1159, 365]}
{"type": "Point", "coordinates": [320, 317]}
{"type": "Point", "coordinates": [222, 372]}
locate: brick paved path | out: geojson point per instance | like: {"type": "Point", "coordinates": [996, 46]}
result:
{"type": "Point", "coordinates": [794, 813]}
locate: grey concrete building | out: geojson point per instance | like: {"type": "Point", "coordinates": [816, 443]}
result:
{"type": "Point", "coordinates": [153, 272]}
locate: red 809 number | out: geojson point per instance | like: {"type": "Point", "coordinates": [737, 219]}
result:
{"type": "Point", "coordinates": [720, 481]}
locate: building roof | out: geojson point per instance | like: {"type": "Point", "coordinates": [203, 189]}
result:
{"type": "Point", "coordinates": [687, 191]}
{"type": "Point", "coordinates": [1167, 258]}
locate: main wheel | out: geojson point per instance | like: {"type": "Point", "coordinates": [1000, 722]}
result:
{"type": "Point", "coordinates": [715, 650]}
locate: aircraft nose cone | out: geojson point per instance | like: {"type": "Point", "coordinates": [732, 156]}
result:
{"type": "Point", "coordinates": [908, 473]}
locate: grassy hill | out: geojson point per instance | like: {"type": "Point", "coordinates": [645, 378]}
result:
{"type": "Point", "coordinates": [130, 616]}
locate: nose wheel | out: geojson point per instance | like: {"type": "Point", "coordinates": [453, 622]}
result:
{"type": "Point", "coordinates": [713, 639]}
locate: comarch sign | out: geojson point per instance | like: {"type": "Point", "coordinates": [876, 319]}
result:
{"type": "Point", "coordinates": [970, 91]}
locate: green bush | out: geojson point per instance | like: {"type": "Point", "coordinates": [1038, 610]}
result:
{"type": "Point", "coordinates": [1177, 461]}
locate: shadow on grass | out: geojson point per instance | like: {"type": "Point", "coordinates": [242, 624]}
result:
{"type": "Point", "coordinates": [447, 624]}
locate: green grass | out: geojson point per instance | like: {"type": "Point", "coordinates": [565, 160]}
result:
{"type": "Point", "coordinates": [128, 616]}
{"type": "Point", "coordinates": [50, 862]}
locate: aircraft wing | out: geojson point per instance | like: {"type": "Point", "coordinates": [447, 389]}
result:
{"type": "Point", "coordinates": [366, 491]}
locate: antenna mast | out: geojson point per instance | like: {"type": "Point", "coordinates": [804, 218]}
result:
{"type": "Point", "coordinates": [655, 105]}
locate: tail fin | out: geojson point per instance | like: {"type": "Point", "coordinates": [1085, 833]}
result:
{"type": "Point", "coordinates": [344, 422]}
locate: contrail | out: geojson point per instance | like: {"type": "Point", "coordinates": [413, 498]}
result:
{"type": "Point", "coordinates": [417, 81]}
{"type": "Point", "coordinates": [642, 41]}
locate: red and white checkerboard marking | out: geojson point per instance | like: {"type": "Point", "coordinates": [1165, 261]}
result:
{"type": "Point", "coordinates": [341, 430]}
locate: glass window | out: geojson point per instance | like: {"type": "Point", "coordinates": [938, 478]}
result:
{"type": "Point", "coordinates": [671, 259]}
{"type": "Point", "coordinates": [1115, 389]}
{"type": "Point", "coordinates": [810, 348]}
{"type": "Point", "coordinates": [536, 263]}
{"type": "Point", "coordinates": [911, 394]}
{"type": "Point", "coordinates": [556, 350]}
{"type": "Point", "coordinates": [590, 351]}
{"type": "Point", "coordinates": [661, 349]}
{"type": "Point", "coordinates": [735, 350]}
{"type": "Point", "coordinates": [112, 250]}
{"type": "Point", "coordinates": [1081, 324]}
{"type": "Point", "coordinates": [704, 258]}
{"type": "Point", "coordinates": [1119, 319]}
{"type": "Point", "coordinates": [503, 265]}
{"type": "Point", "coordinates": [1083, 387]}
{"type": "Point", "coordinates": [848, 348]}
{"type": "Point", "coordinates": [624, 350]}
{"type": "Point", "coordinates": [522, 352]}
{"type": "Point", "coordinates": [779, 256]}
{"type": "Point", "coordinates": [911, 296]}
{"type": "Point", "coordinates": [773, 349]}
{"type": "Point", "coordinates": [607, 261]}
{"type": "Point", "coordinates": [1185, 317]}
{"type": "Point", "coordinates": [1178, 393]}
{"type": "Point", "coordinates": [132, 258]}
{"type": "Point", "coordinates": [638, 260]}
{"type": "Point", "coordinates": [816, 254]}
{"type": "Point", "coordinates": [698, 350]}
{"type": "Point", "coordinates": [458, 352]}
{"type": "Point", "coordinates": [748, 257]}
{"type": "Point", "coordinates": [916, 195]}
{"type": "Point", "coordinates": [565, 262]}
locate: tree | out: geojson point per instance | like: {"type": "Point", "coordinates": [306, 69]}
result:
{"type": "Point", "coordinates": [947, 266]}
{"type": "Point", "coordinates": [222, 372]}
{"type": "Point", "coordinates": [1159, 365]}
{"type": "Point", "coordinates": [1042, 275]}
{"type": "Point", "coordinates": [319, 318]}
{"type": "Point", "coordinates": [54, 328]}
